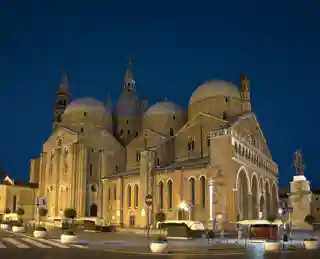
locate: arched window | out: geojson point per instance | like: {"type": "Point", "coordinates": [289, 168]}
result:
{"type": "Point", "coordinates": [203, 191]}
{"type": "Point", "coordinates": [51, 164]}
{"type": "Point", "coordinates": [136, 196]}
{"type": "Point", "coordinates": [109, 194]}
{"type": "Point", "coordinates": [208, 142]}
{"type": "Point", "coordinates": [190, 145]}
{"type": "Point", "coordinates": [169, 185]}
{"type": "Point", "coordinates": [224, 115]}
{"type": "Point", "coordinates": [161, 192]}
{"type": "Point", "coordinates": [65, 162]}
{"type": "Point", "coordinates": [171, 132]}
{"type": "Point", "coordinates": [138, 156]}
{"type": "Point", "coordinates": [192, 183]}
{"type": "Point", "coordinates": [115, 192]}
{"type": "Point", "coordinates": [129, 196]}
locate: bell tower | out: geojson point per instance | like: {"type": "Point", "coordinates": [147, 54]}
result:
{"type": "Point", "coordinates": [62, 100]}
{"type": "Point", "coordinates": [245, 94]}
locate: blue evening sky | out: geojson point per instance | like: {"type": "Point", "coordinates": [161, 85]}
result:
{"type": "Point", "coordinates": [176, 46]}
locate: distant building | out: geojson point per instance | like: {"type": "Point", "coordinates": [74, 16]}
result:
{"type": "Point", "coordinates": [18, 194]}
{"type": "Point", "coordinates": [210, 162]}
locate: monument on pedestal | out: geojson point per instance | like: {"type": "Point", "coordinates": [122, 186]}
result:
{"type": "Point", "coordinates": [300, 195]}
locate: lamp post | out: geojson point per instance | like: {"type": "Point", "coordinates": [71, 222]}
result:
{"type": "Point", "coordinates": [211, 199]}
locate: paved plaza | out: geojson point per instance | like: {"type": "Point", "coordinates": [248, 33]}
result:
{"type": "Point", "coordinates": [125, 245]}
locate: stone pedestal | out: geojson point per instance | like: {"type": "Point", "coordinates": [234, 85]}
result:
{"type": "Point", "coordinates": [300, 201]}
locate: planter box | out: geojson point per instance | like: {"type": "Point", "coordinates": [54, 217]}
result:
{"type": "Point", "coordinates": [68, 239]}
{"type": "Point", "coordinates": [158, 247]}
{"type": "Point", "coordinates": [16, 229]}
{"type": "Point", "coordinates": [5, 226]}
{"type": "Point", "coordinates": [40, 234]}
{"type": "Point", "coordinates": [311, 244]}
{"type": "Point", "coordinates": [272, 246]}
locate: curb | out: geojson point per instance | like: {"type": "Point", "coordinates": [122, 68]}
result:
{"type": "Point", "coordinates": [169, 254]}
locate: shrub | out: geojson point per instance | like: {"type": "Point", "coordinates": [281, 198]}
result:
{"type": "Point", "coordinates": [160, 216]}
{"type": "Point", "coordinates": [271, 218]}
{"type": "Point", "coordinates": [70, 213]}
{"type": "Point", "coordinates": [17, 224]}
{"type": "Point", "coordinates": [40, 228]}
{"type": "Point", "coordinates": [7, 211]}
{"type": "Point", "coordinates": [42, 212]}
{"type": "Point", "coordinates": [20, 211]}
{"type": "Point", "coordinates": [309, 219]}
{"type": "Point", "coordinates": [161, 239]}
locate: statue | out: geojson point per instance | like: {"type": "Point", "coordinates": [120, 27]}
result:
{"type": "Point", "coordinates": [299, 163]}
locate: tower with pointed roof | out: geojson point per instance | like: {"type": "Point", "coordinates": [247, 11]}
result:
{"type": "Point", "coordinates": [62, 99]}
{"type": "Point", "coordinates": [245, 94]}
{"type": "Point", "coordinates": [128, 109]}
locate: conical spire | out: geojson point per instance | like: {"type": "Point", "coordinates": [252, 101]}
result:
{"type": "Point", "coordinates": [129, 82]}
{"type": "Point", "coordinates": [64, 81]}
{"type": "Point", "coordinates": [244, 84]}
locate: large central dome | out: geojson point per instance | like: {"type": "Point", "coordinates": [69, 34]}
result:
{"type": "Point", "coordinates": [214, 88]}
{"type": "Point", "coordinates": [87, 104]}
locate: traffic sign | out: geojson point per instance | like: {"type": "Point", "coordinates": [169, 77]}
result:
{"type": "Point", "coordinates": [42, 202]}
{"type": "Point", "coordinates": [148, 200]}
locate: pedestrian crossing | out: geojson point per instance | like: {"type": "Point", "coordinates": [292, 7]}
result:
{"type": "Point", "coordinates": [28, 242]}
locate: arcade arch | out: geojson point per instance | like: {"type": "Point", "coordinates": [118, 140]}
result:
{"type": "Point", "coordinates": [243, 190]}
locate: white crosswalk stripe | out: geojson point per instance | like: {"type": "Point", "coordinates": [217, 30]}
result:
{"type": "Point", "coordinates": [26, 242]}
{"type": "Point", "coordinates": [15, 242]}
{"type": "Point", "coordinates": [35, 243]}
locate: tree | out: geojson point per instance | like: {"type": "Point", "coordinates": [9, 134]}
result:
{"type": "Point", "coordinates": [70, 213]}
{"type": "Point", "coordinates": [7, 211]}
{"type": "Point", "coordinates": [309, 219]}
{"type": "Point", "coordinates": [160, 217]}
{"type": "Point", "coordinates": [42, 212]}
{"type": "Point", "coordinates": [20, 213]}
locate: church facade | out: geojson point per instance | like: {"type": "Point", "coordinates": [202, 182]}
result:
{"type": "Point", "coordinates": [211, 162]}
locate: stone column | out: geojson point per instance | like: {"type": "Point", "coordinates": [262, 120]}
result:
{"type": "Point", "coordinates": [42, 174]}
{"type": "Point", "coordinates": [55, 175]}
{"type": "Point", "coordinates": [249, 205]}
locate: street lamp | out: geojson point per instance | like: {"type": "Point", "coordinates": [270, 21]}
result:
{"type": "Point", "coordinates": [183, 206]}
{"type": "Point", "coordinates": [280, 211]}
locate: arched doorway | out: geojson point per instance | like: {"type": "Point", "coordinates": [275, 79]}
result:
{"type": "Point", "coordinates": [242, 195]}
{"type": "Point", "coordinates": [255, 200]}
{"type": "Point", "coordinates": [268, 200]}
{"type": "Point", "coordinates": [93, 210]}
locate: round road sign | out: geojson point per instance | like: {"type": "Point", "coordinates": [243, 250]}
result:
{"type": "Point", "coordinates": [148, 200]}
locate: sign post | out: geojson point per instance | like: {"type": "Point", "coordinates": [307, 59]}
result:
{"type": "Point", "coordinates": [149, 200]}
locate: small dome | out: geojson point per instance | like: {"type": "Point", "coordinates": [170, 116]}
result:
{"type": "Point", "coordinates": [164, 107]}
{"type": "Point", "coordinates": [214, 88]}
{"type": "Point", "coordinates": [88, 104]}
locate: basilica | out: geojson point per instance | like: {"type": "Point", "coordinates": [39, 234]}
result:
{"type": "Point", "coordinates": [209, 162]}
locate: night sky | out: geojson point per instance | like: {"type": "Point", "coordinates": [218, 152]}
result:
{"type": "Point", "coordinates": [176, 46]}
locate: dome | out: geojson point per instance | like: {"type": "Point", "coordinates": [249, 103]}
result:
{"type": "Point", "coordinates": [128, 105]}
{"type": "Point", "coordinates": [164, 107]}
{"type": "Point", "coordinates": [214, 88]}
{"type": "Point", "coordinates": [88, 104]}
